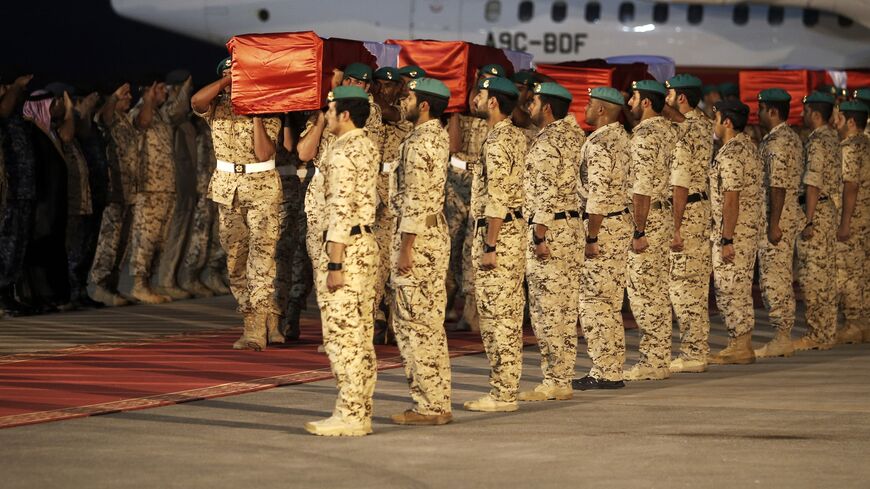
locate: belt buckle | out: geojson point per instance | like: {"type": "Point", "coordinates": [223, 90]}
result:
{"type": "Point", "coordinates": [238, 168]}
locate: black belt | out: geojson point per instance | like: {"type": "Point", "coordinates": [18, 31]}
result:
{"type": "Point", "coordinates": [692, 198]}
{"type": "Point", "coordinates": [803, 199]}
{"type": "Point", "coordinates": [508, 218]}
{"type": "Point", "coordinates": [564, 215]}
{"type": "Point", "coordinates": [612, 214]}
{"type": "Point", "coordinates": [355, 230]}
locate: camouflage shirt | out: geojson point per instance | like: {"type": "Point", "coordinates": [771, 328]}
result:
{"type": "Point", "coordinates": [474, 130]}
{"type": "Point", "coordinates": [78, 188]}
{"type": "Point", "coordinates": [821, 160]}
{"type": "Point", "coordinates": [126, 145]}
{"type": "Point", "coordinates": [497, 185]}
{"type": "Point", "coordinates": [737, 168]}
{"type": "Point", "coordinates": [421, 176]}
{"type": "Point", "coordinates": [855, 154]}
{"type": "Point", "coordinates": [652, 147]}
{"type": "Point", "coordinates": [349, 178]}
{"type": "Point", "coordinates": [552, 171]}
{"type": "Point", "coordinates": [394, 134]}
{"type": "Point", "coordinates": [19, 158]}
{"type": "Point", "coordinates": [157, 169]}
{"type": "Point", "coordinates": [604, 163]}
{"type": "Point", "coordinates": [693, 153]}
{"type": "Point", "coordinates": [781, 152]}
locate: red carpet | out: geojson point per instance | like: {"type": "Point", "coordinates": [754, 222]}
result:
{"type": "Point", "coordinates": [105, 378]}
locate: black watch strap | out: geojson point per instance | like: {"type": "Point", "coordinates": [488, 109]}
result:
{"type": "Point", "coordinates": [536, 240]}
{"type": "Point", "coordinates": [334, 267]}
{"type": "Point", "coordinates": [727, 241]}
{"type": "Point", "coordinates": [488, 249]}
{"type": "Point", "coordinates": [639, 234]}
{"type": "Point", "coordinates": [591, 239]}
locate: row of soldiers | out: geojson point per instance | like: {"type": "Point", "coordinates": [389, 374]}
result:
{"type": "Point", "coordinates": [657, 210]}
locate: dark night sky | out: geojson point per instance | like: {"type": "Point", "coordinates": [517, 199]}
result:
{"type": "Point", "coordinates": [84, 43]}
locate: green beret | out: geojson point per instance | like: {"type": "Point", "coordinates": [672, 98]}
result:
{"type": "Point", "coordinates": [387, 73]}
{"type": "Point", "coordinates": [854, 106]}
{"type": "Point", "coordinates": [430, 86]}
{"type": "Point", "coordinates": [552, 90]}
{"type": "Point", "coordinates": [607, 94]}
{"type": "Point", "coordinates": [819, 98]}
{"type": "Point", "coordinates": [500, 85]}
{"type": "Point", "coordinates": [828, 89]}
{"type": "Point", "coordinates": [524, 77]}
{"type": "Point", "coordinates": [347, 93]}
{"type": "Point", "coordinates": [729, 88]}
{"type": "Point", "coordinates": [412, 71]}
{"type": "Point", "coordinates": [491, 69]}
{"type": "Point", "coordinates": [774, 95]}
{"type": "Point", "coordinates": [225, 64]}
{"type": "Point", "coordinates": [358, 71]}
{"type": "Point", "coordinates": [708, 89]}
{"type": "Point", "coordinates": [683, 80]}
{"type": "Point", "coordinates": [649, 86]}
{"type": "Point", "coordinates": [862, 94]}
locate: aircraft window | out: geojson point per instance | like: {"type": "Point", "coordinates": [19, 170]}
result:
{"type": "Point", "coordinates": [811, 17]}
{"type": "Point", "coordinates": [660, 13]}
{"type": "Point", "coordinates": [775, 15]}
{"type": "Point", "coordinates": [263, 14]}
{"type": "Point", "coordinates": [593, 12]}
{"type": "Point", "coordinates": [844, 21]}
{"type": "Point", "coordinates": [626, 12]}
{"type": "Point", "coordinates": [560, 11]}
{"type": "Point", "coordinates": [696, 14]}
{"type": "Point", "coordinates": [741, 14]}
{"type": "Point", "coordinates": [492, 11]}
{"type": "Point", "coordinates": [527, 9]}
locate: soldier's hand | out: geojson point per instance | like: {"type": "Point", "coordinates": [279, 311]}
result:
{"type": "Point", "coordinates": [592, 250]}
{"type": "Point", "coordinates": [334, 280]}
{"type": "Point", "coordinates": [807, 233]}
{"type": "Point", "coordinates": [774, 235]}
{"type": "Point", "coordinates": [122, 92]}
{"type": "Point", "coordinates": [639, 245]}
{"type": "Point", "coordinates": [67, 102]}
{"type": "Point", "coordinates": [542, 251]}
{"type": "Point", "coordinates": [843, 233]}
{"type": "Point", "coordinates": [148, 96]}
{"type": "Point", "coordinates": [489, 261]}
{"type": "Point", "coordinates": [22, 81]}
{"type": "Point", "coordinates": [87, 104]}
{"type": "Point", "coordinates": [728, 253]}
{"type": "Point", "coordinates": [406, 262]}
{"type": "Point", "coordinates": [677, 242]}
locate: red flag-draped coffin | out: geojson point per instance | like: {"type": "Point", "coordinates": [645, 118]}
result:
{"type": "Point", "coordinates": [578, 81]}
{"type": "Point", "coordinates": [796, 82]}
{"type": "Point", "coordinates": [858, 79]}
{"type": "Point", "coordinates": [453, 62]}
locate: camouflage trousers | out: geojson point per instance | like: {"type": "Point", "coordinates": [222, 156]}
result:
{"type": "Point", "coordinates": [150, 217]}
{"type": "Point", "coordinates": [249, 233]}
{"type": "Point", "coordinates": [500, 303]}
{"type": "Point", "coordinates": [347, 327]}
{"type": "Point", "coordinates": [177, 232]}
{"type": "Point", "coordinates": [648, 274]}
{"type": "Point", "coordinates": [315, 218]}
{"type": "Point", "coordinates": [776, 265]}
{"type": "Point", "coordinates": [689, 285]}
{"type": "Point", "coordinates": [15, 229]}
{"type": "Point", "coordinates": [112, 245]}
{"type": "Point", "coordinates": [383, 229]}
{"type": "Point", "coordinates": [456, 203]}
{"type": "Point", "coordinates": [288, 239]}
{"type": "Point", "coordinates": [602, 287]}
{"type": "Point", "coordinates": [554, 298]}
{"type": "Point", "coordinates": [417, 314]}
{"type": "Point", "coordinates": [850, 269]}
{"type": "Point", "coordinates": [733, 281]}
{"type": "Point", "coordinates": [201, 243]}
{"type": "Point", "coordinates": [817, 272]}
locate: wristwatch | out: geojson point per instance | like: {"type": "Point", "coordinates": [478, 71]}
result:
{"type": "Point", "coordinates": [333, 267]}
{"type": "Point", "coordinates": [488, 248]}
{"type": "Point", "coordinates": [536, 240]}
{"type": "Point", "coordinates": [639, 234]}
{"type": "Point", "coordinates": [727, 241]}
{"type": "Point", "coordinates": [591, 239]}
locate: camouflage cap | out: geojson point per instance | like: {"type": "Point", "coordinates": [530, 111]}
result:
{"type": "Point", "coordinates": [500, 85]}
{"type": "Point", "coordinates": [683, 80]}
{"type": "Point", "coordinates": [358, 71]}
{"type": "Point", "coordinates": [430, 86]}
{"type": "Point", "coordinates": [607, 94]}
{"type": "Point", "coordinates": [225, 64]}
{"type": "Point", "coordinates": [774, 95]}
{"type": "Point", "coordinates": [819, 98]}
{"type": "Point", "coordinates": [553, 90]}
{"type": "Point", "coordinates": [347, 93]}
{"type": "Point", "coordinates": [862, 94]}
{"type": "Point", "coordinates": [729, 88]}
{"type": "Point", "coordinates": [412, 71]}
{"type": "Point", "coordinates": [524, 77]}
{"type": "Point", "coordinates": [387, 73]}
{"type": "Point", "coordinates": [854, 106]}
{"type": "Point", "coordinates": [492, 69]}
{"type": "Point", "coordinates": [649, 86]}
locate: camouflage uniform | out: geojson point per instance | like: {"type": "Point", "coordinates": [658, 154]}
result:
{"type": "Point", "coordinates": [497, 192]}
{"type": "Point", "coordinates": [18, 213]}
{"type": "Point", "coordinates": [737, 168]}
{"type": "Point", "coordinates": [417, 310]}
{"type": "Point", "coordinates": [816, 263]}
{"type": "Point", "coordinates": [79, 209]}
{"type": "Point", "coordinates": [604, 173]}
{"type": "Point", "coordinates": [690, 268]}
{"type": "Point", "coordinates": [248, 208]}
{"type": "Point", "coordinates": [781, 152]}
{"type": "Point", "coordinates": [350, 174]}
{"type": "Point", "coordinates": [652, 146]}
{"type": "Point", "coordinates": [850, 255]}
{"type": "Point", "coordinates": [551, 182]}
{"type": "Point", "coordinates": [286, 165]}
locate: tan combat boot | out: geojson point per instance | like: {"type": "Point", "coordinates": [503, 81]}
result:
{"type": "Point", "coordinates": [849, 333]}
{"type": "Point", "coordinates": [546, 392]}
{"type": "Point", "coordinates": [142, 292]}
{"type": "Point", "coordinates": [806, 343]}
{"type": "Point", "coordinates": [273, 329]}
{"type": "Point", "coordinates": [780, 346]}
{"type": "Point", "coordinates": [413, 418]}
{"type": "Point", "coordinates": [491, 405]}
{"type": "Point", "coordinates": [738, 352]}
{"type": "Point", "coordinates": [107, 297]}
{"type": "Point", "coordinates": [173, 292]}
{"type": "Point", "coordinates": [646, 372]}
{"type": "Point", "coordinates": [338, 426]}
{"type": "Point", "coordinates": [254, 335]}
{"type": "Point", "coordinates": [683, 365]}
